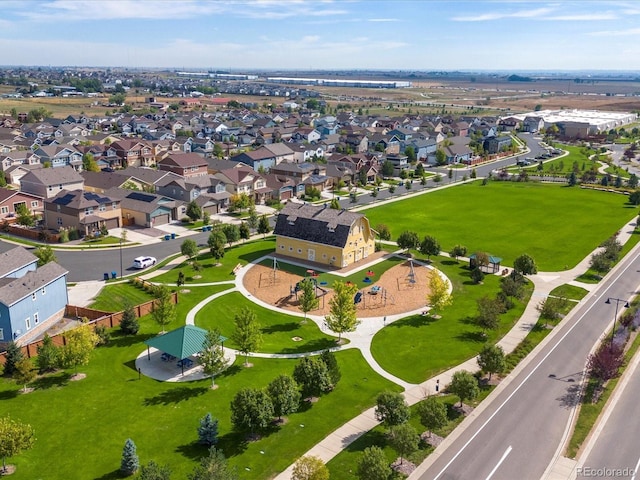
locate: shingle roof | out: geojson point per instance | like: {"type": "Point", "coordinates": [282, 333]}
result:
{"type": "Point", "coordinates": [317, 224]}
{"type": "Point", "coordinates": [14, 259]}
{"type": "Point", "coordinates": [53, 176]}
{"type": "Point", "coordinates": [182, 342]}
{"type": "Point", "coordinates": [31, 282]}
{"type": "Point", "coordinates": [184, 160]}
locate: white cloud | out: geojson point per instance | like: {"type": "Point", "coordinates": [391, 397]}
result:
{"type": "Point", "coordinates": [586, 17]}
{"type": "Point", "coordinates": [383, 20]}
{"type": "Point", "coordinates": [529, 13]}
{"type": "Point", "coordinates": [616, 33]}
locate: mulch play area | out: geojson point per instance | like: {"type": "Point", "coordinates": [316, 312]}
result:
{"type": "Point", "coordinates": [394, 292]}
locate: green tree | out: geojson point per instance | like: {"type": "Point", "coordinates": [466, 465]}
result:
{"type": "Point", "coordinates": [263, 225]}
{"type": "Point", "coordinates": [489, 310]}
{"type": "Point", "coordinates": [153, 471]}
{"type": "Point", "coordinates": [3, 180]}
{"type": "Point", "coordinates": [129, 325]}
{"type": "Point", "coordinates": [551, 307]}
{"type": "Point", "coordinates": [89, 163]}
{"type": "Point", "coordinates": [13, 356]}
{"type": "Point", "coordinates": [24, 216]}
{"type": "Point", "coordinates": [573, 179]}
{"type": "Point", "coordinates": [408, 240]}
{"type": "Point", "coordinates": [24, 373]}
{"type": "Point", "coordinates": [433, 414]}
{"type": "Point", "coordinates": [247, 334]}
{"type": "Point", "coordinates": [164, 311]}
{"type": "Point", "coordinates": [80, 342]}
{"type": "Point", "coordinates": [634, 198]}
{"type": "Point", "coordinates": [189, 248]}
{"type": "Point", "coordinates": [313, 376]}
{"type": "Point", "coordinates": [458, 251]}
{"type": "Point", "coordinates": [404, 439]}
{"type": "Point", "coordinates": [439, 296]}
{"type": "Point", "coordinates": [15, 437]}
{"type": "Point", "coordinates": [373, 465]}
{"type": "Point", "coordinates": [308, 300]}
{"type": "Point", "coordinates": [208, 431]}
{"type": "Point", "coordinates": [284, 394]}
{"type": "Point", "coordinates": [464, 385]}
{"type": "Point", "coordinates": [216, 242]}
{"type": "Point", "coordinates": [47, 359]}
{"type": "Point", "coordinates": [477, 275]}
{"type": "Point", "coordinates": [491, 359]}
{"type": "Point", "coordinates": [231, 232]}
{"type": "Point", "coordinates": [383, 231]}
{"type": "Point", "coordinates": [329, 359]}
{"type": "Point", "coordinates": [342, 310]}
{"type": "Point", "coordinates": [251, 410]}
{"type": "Point", "coordinates": [430, 246]}
{"type": "Point", "coordinates": [600, 262]}
{"type": "Point", "coordinates": [45, 255]}
{"type": "Point", "coordinates": [480, 260]}
{"type": "Point", "coordinates": [245, 231]}
{"type": "Point", "coordinates": [130, 462]}
{"type": "Point", "coordinates": [335, 204]}
{"type": "Point", "coordinates": [387, 169]}
{"type": "Point", "coordinates": [391, 409]}
{"type": "Point", "coordinates": [117, 98]}
{"type": "Point", "coordinates": [212, 356]}
{"type": "Point", "coordinates": [525, 265]}
{"type": "Point", "coordinates": [441, 157]}
{"type": "Point", "coordinates": [194, 212]}
{"type": "Point", "coordinates": [633, 181]}
{"type": "Point", "coordinates": [240, 202]}
{"type": "Point", "coordinates": [420, 170]}
{"type": "Point", "coordinates": [309, 468]}
{"type": "Point", "coordinates": [213, 467]}
{"type": "Point", "coordinates": [513, 285]}
{"type": "Point", "coordinates": [252, 219]}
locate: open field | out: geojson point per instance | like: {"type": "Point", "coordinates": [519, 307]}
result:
{"type": "Point", "coordinates": [554, 224]}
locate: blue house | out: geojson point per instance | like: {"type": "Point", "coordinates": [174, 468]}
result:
{"type": "Point", "coordinates": [32, 298]}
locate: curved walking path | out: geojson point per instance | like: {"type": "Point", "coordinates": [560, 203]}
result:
{"type": "Point", "coordinates": [361, 338]}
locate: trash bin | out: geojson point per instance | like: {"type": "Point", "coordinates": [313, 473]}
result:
{"type": "Point", "coordinates": [105, 276]}
{"type": "Point", "coordinates": [173, 236]}
{"type": "Point", "coordinates": [114, 274]}
{"type": "Point", "coordinates": [167, 237]}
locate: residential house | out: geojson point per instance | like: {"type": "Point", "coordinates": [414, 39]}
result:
{"type": "Point", "coordinates": [32, 298]}
{"type": "Point", "coordinates": [48, 182]}
{"type": "Point", "coordinates": [10, 201]}
{"type": "Point", "coordinates": [283, 187]}
{"type": "Point", "coordinates": [145, 209]}
{"type": "Point", "coordinates": [184, 164]}
{"type": "Point", "coordinates": [358, 142]}
{"type": "Point", "coordinates": [493, 145]}
{"type": "Point", "coordinates": [323, 235]}
{"type": "Point", "coordinates": [60, 156]}
{"type": "Point", "coordinates": [144, 178]}
{"type": "Point", "coordinates": [85, 211]}
{"type": "Point", "coordinates": [245, 180]}
{"type": "Point", "coordinates": [209, 193]}
{"type": "Point", "coordinates": [132, 153]}
{"type": "Point", "coordinates": [532, 124]}
{"type": "Point", "coordinates": [509, 124]}
{"type": "Point", "coordinates": [282, 152]}
{"type": "Point", "coordinates": [306, 153]}
{"type": "Point", "coordinates": [261, 159]}
{"type": "Point", "coordinates": [215, 165]}
{"type": "Point", "coordinates": [400, 162]}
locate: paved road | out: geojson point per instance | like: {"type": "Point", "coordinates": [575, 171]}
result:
{"type": "Point", "coordinates": [517, 435]}
{"type": "Point", "coordinates": [620, 430]}
{"type": "Point", "coordinates": [91, 265]}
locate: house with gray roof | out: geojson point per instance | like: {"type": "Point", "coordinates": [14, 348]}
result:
{"type": "Point", "coordinates": [32, 298]}
{"type": "Point", "coordinates": [318, 234]}
{"type": "Point", "coordinates": [85, 211]}
{"type": "Point", "coordinates": [48, 182]}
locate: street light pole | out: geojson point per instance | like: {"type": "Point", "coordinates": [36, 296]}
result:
{"type": "Point", "coordinates": [615, 317]}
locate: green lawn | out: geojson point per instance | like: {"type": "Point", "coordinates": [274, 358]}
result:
{"type": "Point", "coordinates": [112, 298]}
{"type": "Point", "coordinates": [242, 253]}
{"type": "Point", "coordinates": [423, 346]}
{"type": "Point", "coordinates": [569, 291]}
{"type": "Point", "coordinates": [96, 415]}
{"type": "Point", "coordinates": [278, 329]}
{"type": "Point", "coordinates": [554, 224]}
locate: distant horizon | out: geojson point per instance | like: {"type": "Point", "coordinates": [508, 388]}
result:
{"type": "Point", "coordinates": [305, 35]}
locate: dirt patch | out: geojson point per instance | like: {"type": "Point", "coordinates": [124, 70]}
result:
{"type": "Point", "coordinates": [403, 466]}
{"type": "Point", "coordinates": [185, 290]}
{"type": "Point", "coordinates": [395, 295]}
{"type": "Point", "coordinates": [463, 409]}
{"type": "Point", "coordinates": [9, 470]}
{"type": "Point", "coordinates": [78, 376]}
{"type": "Point", "coordinates": [296, 339]}
{"type": "Point", "coordinates": [24, 391]}
{"type": "Point", "coordinates": [433, 440]}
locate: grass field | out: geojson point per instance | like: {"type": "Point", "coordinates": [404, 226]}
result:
{"type": "Point", "coordinates": [423, 346]}
{"type": "Point", "coordinates": [81, 426]}
{"type": "Point", "coordinates": [554, 224]}
{"type": "Point", "coordinates": [278, 329]}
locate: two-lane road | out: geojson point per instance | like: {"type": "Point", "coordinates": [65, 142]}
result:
{"type": "Point", "coordinates": [517, 435]}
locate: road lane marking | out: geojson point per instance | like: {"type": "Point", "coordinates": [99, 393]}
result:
{"type": "Point", "coordinates": [504, 455]}
{"type": "Point", "coordinates": [635, 470]}
{"type": "Point", "coordinates": [611, 284]}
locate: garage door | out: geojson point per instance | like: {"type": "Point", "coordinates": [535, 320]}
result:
{"type": "Point", "coordinates": [286, 195]}
{"type": "Point", "coordinates": [161, 219]}
{"type": "Point", "coordinates": [112, 223]}
{"type": "Point", "coordinates": [213, 209]}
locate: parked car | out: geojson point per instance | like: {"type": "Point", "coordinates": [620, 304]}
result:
{"type": "Point", "coordinates": [143, 262]}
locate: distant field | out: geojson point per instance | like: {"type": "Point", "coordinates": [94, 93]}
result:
{"type": "Point", "coordinates": [557, 225]}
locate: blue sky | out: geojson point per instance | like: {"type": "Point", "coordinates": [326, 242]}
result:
{"type": "Point", "coordinates": [323, 34]}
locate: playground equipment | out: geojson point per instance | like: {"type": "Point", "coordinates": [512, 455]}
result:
{"type": "Point", "coordinates": [410, 279]}
{"type": "Point", "coordinates": [271, 278]}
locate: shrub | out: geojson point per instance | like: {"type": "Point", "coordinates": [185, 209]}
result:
{"type": "Point", "coordinates": [103, 335]}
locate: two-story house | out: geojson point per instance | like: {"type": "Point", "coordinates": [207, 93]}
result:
{"type": "Point", "coordinates": [261, 159]}
{"type": "Point", "coordinates": [32, 299]}
{"type": "Point", "coordinates": [323, 235]}
{"type": "Point", "coordinates": [132, 153]}
{"type": "Point", "coordinates": [245, 180]}
{"type": "Point", "coordinates": [85, 211]}
{"type": "Point", "coordinates": [11, 200]}
{"type": "Point", "coordinates": [48, 182]}
{"type": "Point", "coordinates": [209, 193]}
{"type": "Point", "coordinates": [60, 156]}
{"type": "Point", "coordinates": [184, 164]}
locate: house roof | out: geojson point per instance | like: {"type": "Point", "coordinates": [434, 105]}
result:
{"type": "Point", "coordinates": [317, 224]}
{"type": "Point", "coordinates": [147, 175]}
{"type": "Point", "coordinates": [141, 201]}
{"type": "Point", "coordinates": [17, 289]}
{"type": "Point", "coordinates": [279, 149]}
{"type": "Point", "coordinates": [53, 176]}
{"type": "Point", "coordinates": [184, 160]}
{"type": "Point", "coordinates": [103, 180]}
{"type": "Point", "coordinates": [182, 342]}
{"type": "Point", "coordinates": [79, 199]}
{"type": "Point", "coordinates": [14, 259]}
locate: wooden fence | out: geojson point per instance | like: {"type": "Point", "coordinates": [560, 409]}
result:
{"type": "Point", "coordinates": [96, 318]}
